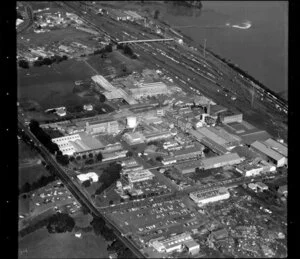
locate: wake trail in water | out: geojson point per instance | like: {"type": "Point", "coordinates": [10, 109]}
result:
{"type": "Point", "coordinates": [244, 26]}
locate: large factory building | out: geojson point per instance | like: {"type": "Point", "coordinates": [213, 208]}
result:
{"type": "Point", "coordinates": [208, 163]}
{"type": "Point", "coordinates": [175, 243]}
{"type": "Point", "coordinates": [204, 197]}
{"type": "Point", "coordinates": [269, 153]}
{"type": "Point", "coordinates": [149, 89]}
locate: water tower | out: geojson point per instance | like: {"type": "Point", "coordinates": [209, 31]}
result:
{"type": "Point", "coordinates": [131, 122]}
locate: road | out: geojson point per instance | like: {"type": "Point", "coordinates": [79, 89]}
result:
{"type": "Point", "coordinates": [29, 22]}
{"type": "Point", "coordinates": [82, 199]}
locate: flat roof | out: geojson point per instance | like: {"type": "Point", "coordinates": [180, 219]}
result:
{"type": "Point", "coordinates": [186, 151]}
{"type": "Point", "coordinates": [267, 151]}
{"type": "Point", "coordinates": [277, 146]}
{"type": "Point", "coordinates": [210, 193]}
{"type": "Point", "coordinates": [219, 159]}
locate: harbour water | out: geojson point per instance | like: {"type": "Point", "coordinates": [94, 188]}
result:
{"type": "Point", "coordinates": [253, 35]}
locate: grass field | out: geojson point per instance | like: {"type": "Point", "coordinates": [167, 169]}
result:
{"type": "Point", "coordinates": [68, 34]}
{"type": "Point", "coordinates": [25, 152]}
{"type": "Point", "coordinates": [41, 244]}
{"type": "Point", "coordinates": [53, 86]}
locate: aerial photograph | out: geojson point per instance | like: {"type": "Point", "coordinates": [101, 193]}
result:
{"type": "Point", "coordinates": [152, 129]}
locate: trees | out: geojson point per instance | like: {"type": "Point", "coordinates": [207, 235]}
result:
{"type": "Point", "coordinates": [89, 161]}
{"type": "Point", "coordinates": [60, 223]}
{"type": "Point", "coordinates": [102, 98]}
{"type": "Point", "coordinates": [84, 156]}
{"type": "Point", "coordinates": [111, 202]}
{"type": "Point", "coordinates": [108, 48]}
{"type": "Point", "coordinates": [159, 159]}
{"type": "Point", "coordinates": [86, 183]}
{"type": "Point", "coordinates": [91, 155]}
{"type": "Point", "coordinates": [129, 154]}
{"type": "Point", "coordinates": [127, 50]}
{"type": "Point", "coordinates": [98, 225]}
{"type": "Point", "coordinates": [23, 63]}
{"type": "Point", "coordinates": [99, 157]}
{"type": "Point", "coordinates": [156, 14]}
{"type": "Point", "coordinates": [78, 158]}
{"type": "Point", "coordinates": [62, 159]}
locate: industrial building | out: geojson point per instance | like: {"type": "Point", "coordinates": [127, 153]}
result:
{"type": "Point", "coordinates": [152, 136]}
{"type": "Point", "coordinates": [129, 163]}
{"type": "Point", "coordinates": [204, 197]}
{"type": "Point", "coordinates": [107, 126]}
{"type": "Point", "coordinates": [281, 148]}
{"type": "Point", "coordinates": [255, 167]}
{"type": "Point", "coordinates": [219, 234]}
{"type": "Point", "coordinates": [169, 160]}
{"type": "Point", "coordinates": [230, 117]}
{"type": "Point", "coordinates": [283, 190]}
{"type": "Point", "coordinates": [175, 243]}
{"type": "Point", "coordinates": [208, 163]}
{"type": "Point", "coordinates": [133, 138]}
{"type": "Point", "coordinates": [261, 186]}
{"type": "Point", "coordinates": [133, 15]}
{"type": "Point", "coordinates": [89, 176]}
{"type": "Point", "coordinates": [113, 155]}
{"type": "Point", "coordinates": [188, 153]}
{"type": "Point", "coordinates": [118, 15]}
{"type": "Point", "coordinates": [138, 176]}
{"type": "Point", "coordinates": [110, 91]}
{"type": "Point", "coordinates": [210, 143]}
{"type": "Point", "coordinates": [80, 142]}
{"type": "Point", "coordinates": [149, 89]}
{"type": "Point", "coordinates": [270, 154]}
{"type": "Point", "coordinates": [219, 161]}
{"type": "Point", "coordinates": [220, 136]}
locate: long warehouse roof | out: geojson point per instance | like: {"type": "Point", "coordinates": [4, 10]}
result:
{"type": "Point", "coordinates": [278, 147]}
{"type": "Point", "coordinates": [267, 151]}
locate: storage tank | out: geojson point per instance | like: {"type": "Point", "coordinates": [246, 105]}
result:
{"type": "Point", "coordinates": [131, 122]}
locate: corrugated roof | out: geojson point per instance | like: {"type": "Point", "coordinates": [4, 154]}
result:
{"type": "Point", "coordinates": [211, 135]}
{"type": "Point", "coordinates": [277, 146]}
{"type": "Point", "coordinates": [267, 151]}
{"type": "Point", "coordinates": [219, 159]}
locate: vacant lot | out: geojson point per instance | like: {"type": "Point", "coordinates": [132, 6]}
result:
{"type": "Point", "coordinates": [41, 244]}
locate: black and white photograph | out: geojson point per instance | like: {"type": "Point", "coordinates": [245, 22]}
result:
{"type": "Point", "coordinates": [152, 129]}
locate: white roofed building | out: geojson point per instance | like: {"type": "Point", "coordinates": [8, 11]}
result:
{"type": "Point", "coordinates": [89, 176]}
{"type": "Point", "coordinates": [204, 197]}
{"type": "Point", "coordinates": [265, 150]}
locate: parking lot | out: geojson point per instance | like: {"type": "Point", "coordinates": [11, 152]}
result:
{"type": "Point", "coordinates": [154, 219]}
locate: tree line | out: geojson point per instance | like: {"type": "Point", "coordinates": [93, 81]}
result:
{"type": "Point", "coordinates": [43, 181]}
{"type": "Point", "coordinates": [57, 223]}
{"type": "Point", "coordinates": [43, 61]}
{"type": "Point", "coordinates": [127, 50]}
